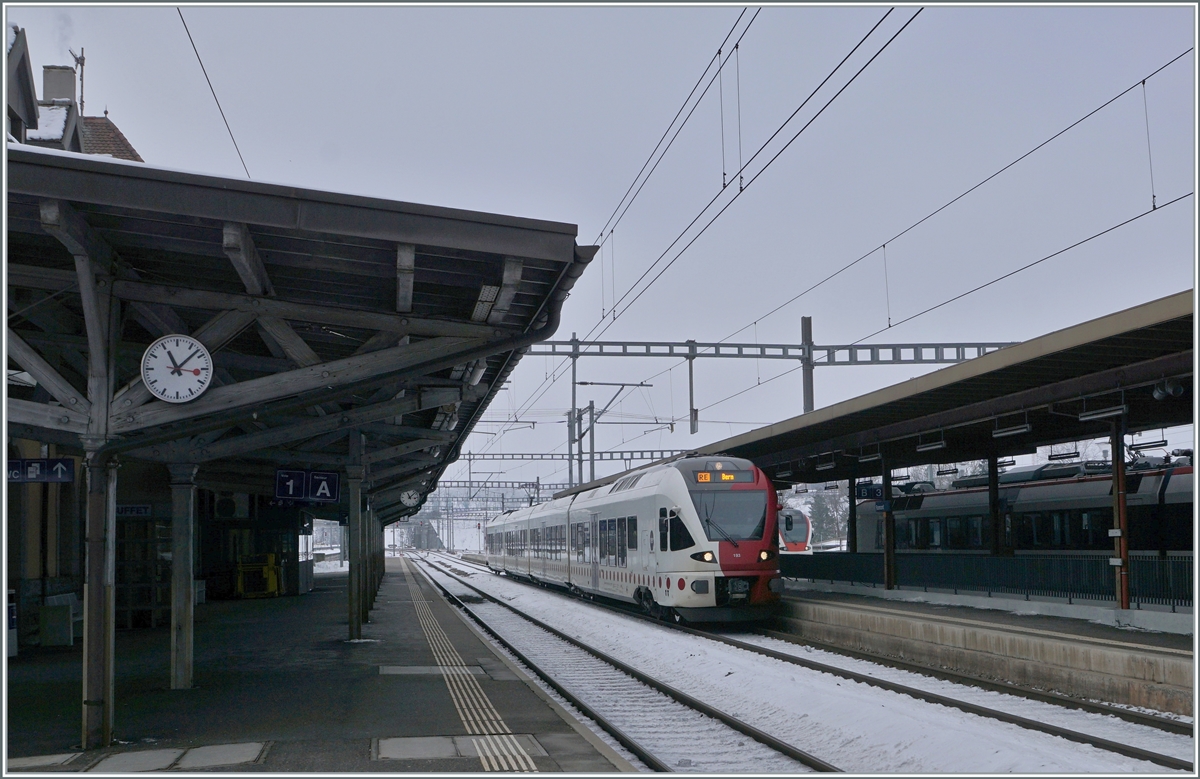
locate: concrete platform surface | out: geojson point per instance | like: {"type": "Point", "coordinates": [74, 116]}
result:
{"type": "Point", "coordinates": [279, 688]}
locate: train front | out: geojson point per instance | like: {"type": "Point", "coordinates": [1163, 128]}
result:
{"type": "Point", "coordinates": [736, 511]}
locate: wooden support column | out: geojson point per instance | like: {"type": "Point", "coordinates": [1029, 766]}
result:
{"type": "Point", "coordinates": [354, 475]}
{"type": "Point", "coordinates": [994, 514]}
{"type": "Point", "coordinates": [183, 518]}
{"type": "Point", "coordinates": [889, 530]}
{"type": "Point", "coordinates": [1120, 515]}
{"type": "Point", "coordinates": [94, 647]}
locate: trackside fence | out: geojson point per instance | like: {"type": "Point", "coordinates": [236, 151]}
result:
{"type": "Point", "coordinates": [1165, 581]}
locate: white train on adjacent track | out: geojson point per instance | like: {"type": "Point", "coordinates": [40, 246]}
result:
{"type": "Point", "coordinates": [695, 539]}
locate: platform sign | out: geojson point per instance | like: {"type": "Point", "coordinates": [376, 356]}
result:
{"type": "Point", "coordinates": [53, 470]}
{"type": "Point", "coordinates": [315, 486]}
{"type": "Point", "coordinates": [291, 485]}
{"type": "Point", "coordinates": [868, 491]}
{"type": "Point", "coordinates": [323, 486]}
{"type": "Point", "coordinates": [883, 505]}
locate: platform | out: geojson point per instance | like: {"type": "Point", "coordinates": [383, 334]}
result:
{"type": "Point", "coordinates": [279, 688]}
{"type": "Point", "coordinates": [1057, 647]}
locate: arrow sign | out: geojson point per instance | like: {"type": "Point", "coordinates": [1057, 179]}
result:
{"type": "Point", "coordinates": [61, 470]}
{"type": "Point", "coordinates": [54, 470]}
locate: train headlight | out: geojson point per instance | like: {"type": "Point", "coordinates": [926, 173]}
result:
{"type": "Point", "coordinates": [766, 554]}
{"type": "Point", "coordinates": [705, 557]}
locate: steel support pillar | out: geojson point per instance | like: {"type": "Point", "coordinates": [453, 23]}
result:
{"type": "Point", "coordinates": [994, 514]}
{"type": "Point", "coordinates": [570, 445]}
{"type": "Point", "coordinates": [851, 518]}
{"type": "Point", "coordinates": [693, 414]}
{"type": "Point", "coordinates": [573, 416]}
{"type": "Point", "coordinates": [99, 616]}
{"type": "Point", "coordinates": [591, 440]}
{"type": "Point", "coordinates": [889, 530]}
{"type": "Point", "coordinates": [183, 558]}
{"type": "Point", "coordinates": [806, 361]}
{"type": "Point", "coordinates": [1120, 515]}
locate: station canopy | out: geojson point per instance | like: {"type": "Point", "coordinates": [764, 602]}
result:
{"type": "Point", "coordinates": [324, 314]}
{"type": "Point", "coordinates": [1066, 386]}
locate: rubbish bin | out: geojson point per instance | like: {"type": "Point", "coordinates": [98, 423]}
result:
{"type": "Point", "coordinates": [12, 623]}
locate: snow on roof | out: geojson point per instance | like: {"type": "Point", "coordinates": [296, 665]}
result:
{"type": "Point", "coordinates": [52, 122]}
{"type": "Point", "coordinates": [12, 36]}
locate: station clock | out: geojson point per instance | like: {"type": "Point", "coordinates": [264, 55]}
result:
{"type": "Point", "coordinates": [177, 368]}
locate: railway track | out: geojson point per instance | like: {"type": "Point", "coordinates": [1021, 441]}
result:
{"type": "Point", "coordinates": [1165, 724]}
{"type": "Point", "coordinates": [664, 727]}
{"type": "Point", "coordinates": [789, 655]}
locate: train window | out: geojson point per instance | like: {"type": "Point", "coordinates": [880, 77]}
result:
{"type": "Point", "coordinates": [975, 529]}
{"type": "Point", "coordinates": [1057, 528]}
{"type": "Point", "coordinates": [663, 530]}
{"type": "Point", "coordinates": [632, 531]}
{"type": "Point", "coordinates": [879, 533]}
{"type": "Point", "coordinates": [604, 542]}
{"type": "Point", "coordinates": [621, 539]}
{"type": "Point", "coordinates": [612, 542]}
{"type": "Point", "coordinates": [680, 537]}
{"type": "Point", "coordinates": [935, 533]}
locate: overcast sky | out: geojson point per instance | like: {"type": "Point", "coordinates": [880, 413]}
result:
{"type": "Point", "coordinates": [549, 113]}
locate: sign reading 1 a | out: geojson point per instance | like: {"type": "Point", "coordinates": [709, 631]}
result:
{"type": "Point", "coordinates": [319, 486]}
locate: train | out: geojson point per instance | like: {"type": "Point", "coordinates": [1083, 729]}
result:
{"type": "Point", "coordinates": [1050, 508]}
{"type": "Point", "coordinates": [695, 539]}
{"type": "Point", "coordinates": [795, 532]}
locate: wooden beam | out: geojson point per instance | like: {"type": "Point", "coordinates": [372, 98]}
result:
{"type": "Point", "coordinates": [381, 340]}
{"type": "Point", "coordinates": [33, 277]}
{"type": "Point", "coordinates": [303, 312]}
{"type": "Point", "coordinates": [93, 263]}
{"type": "Point", "coordinates": [268, 388]}
{"type": "Point", "coordinates": [406, 265]}
{"type": "Point", "coordinates": [66, 224]}
{"type": "Point", "coordinates": [278, 436]}
{"type": "Point", "coordinates": [380, 455]}
{"type": "Point", "coordinates": [391, 492]}
{"type": "Point", "coordinates": [513, 268]}
{"type": "Point", "coordinates": [239, 248]}
{"type": "Point", "coordinates": [45, 375]}
{"type": "Point", "coordinates": [384, 428]}
{"type": "Point", "coordinates": [296, 349]}
{"type": "Point", "coordinates": [405, 466]}
{"type": "Point", "coordinates": [24, 412]}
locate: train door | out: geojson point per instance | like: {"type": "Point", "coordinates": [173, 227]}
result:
{"type": "Point", "coordinates": [595, 522]}
{"type": "Point", "coordinates": [543, 550]}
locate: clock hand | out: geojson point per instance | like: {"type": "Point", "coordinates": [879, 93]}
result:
{"type": "Point", "coordinates": [189, 357]}
{"type": "Point", "coordinates": [174, 365]}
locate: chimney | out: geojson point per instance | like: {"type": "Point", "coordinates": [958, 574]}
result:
{"type": "Point", "coordinates": [58, 81]}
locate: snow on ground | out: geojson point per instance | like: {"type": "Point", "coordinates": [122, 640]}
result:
{"type": "Point", "coordinates": [1101, 725]}
{"type": "Point", "coordinates": [331, 566]}
{"type": "Point", "coordinates": [856, 727]}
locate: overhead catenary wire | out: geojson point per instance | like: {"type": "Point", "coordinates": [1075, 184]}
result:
{"type": "Point", "coordinates": [666, 132]}
{"type": "Point", "coordinates": [544, 387]}
{"type": "Point", "coordinates": [944, 206]}
{"type": "Point", "coordinates": [1149, 157]}
{"type": "Point", "coordinates": [214, 92]}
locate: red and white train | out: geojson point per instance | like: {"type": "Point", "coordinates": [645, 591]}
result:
{"type": "Point", "coordinates": [695, 539]}
{"type": "Point", "coordinates": [795, 532]}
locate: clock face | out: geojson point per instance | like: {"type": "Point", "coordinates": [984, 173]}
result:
{"type": "Point", "coordinates": [410, 498]}
{"type": "Point", "coordinates": [177, 368]}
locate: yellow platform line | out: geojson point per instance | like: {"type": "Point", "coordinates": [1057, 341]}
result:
{"type": "Point", "coordinates": [498, 750]}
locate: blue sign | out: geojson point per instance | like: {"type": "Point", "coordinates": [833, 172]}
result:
{"type": "Point", "coordinates": [883, 505]}
{"type": "Point", "coordinates": [291, 484]}
{"type": "Point", "coordinates": [52, 470]}
{"type": "Point", "coordinates": [316, 486]}
{"type": "Point", "coordinates": [323, 486]}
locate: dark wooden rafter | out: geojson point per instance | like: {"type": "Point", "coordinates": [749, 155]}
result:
{"type": "Point", "coordinates": [45, 375]}
{"type": "Point", "coordinates": [513, 267]}
{"type": "Point", "coordinates": [137, 291]}
{"type": "Point", "coordinates": [406, 264]}
{"type": "Point", "coordinates": [285, 434]}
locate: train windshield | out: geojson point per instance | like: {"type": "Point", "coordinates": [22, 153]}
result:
{"type": "Point", "coordinates": [794, 527]}
{"type": "Point", "coordinates": [732, 515]}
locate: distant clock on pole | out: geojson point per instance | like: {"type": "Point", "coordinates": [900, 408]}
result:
{"type": "Point", "coordinates": [410, 498]}
{"type": "Point", "coordinates": [177, 368]}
